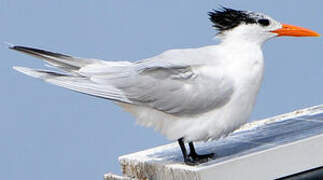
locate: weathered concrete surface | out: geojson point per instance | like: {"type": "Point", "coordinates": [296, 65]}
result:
{"type": "Point", "coordinates": [110, 176]}
{"type": "Point", "coordinates": [266, 149]}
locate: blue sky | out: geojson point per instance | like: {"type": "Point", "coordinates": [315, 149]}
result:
{"type": "Point", "coordinates": [51, 133]}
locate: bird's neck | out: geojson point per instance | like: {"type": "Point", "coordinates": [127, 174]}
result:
{"type": "Point", "coordinates": [241, 52]}
{"type": "Point", "coordinates": [241, 47]}
{"type": "Point", "coordinates": [240, 41]}
{"type": "Point", "coordinates": [242, 37]}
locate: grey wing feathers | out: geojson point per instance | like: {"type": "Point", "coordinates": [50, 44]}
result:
{"type": "Point", "coordinates": [177, 90]}
{"type": "Point", "coordinates": [156, 83]}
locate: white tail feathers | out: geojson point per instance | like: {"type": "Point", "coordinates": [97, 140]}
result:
{"type": "Point", "coordinates": [75, 83]}
{"type": "Point", "coordinates": [42, 74]}
{"type": "Point", "coordinates": [76, 78]}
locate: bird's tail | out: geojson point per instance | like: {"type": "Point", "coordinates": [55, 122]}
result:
{"type": "Point", "coordinates": [38, 73]}
{"type": "Point", "coordinates": [76, 73]}
{"type": "Point", "coordinates": [80, 84]}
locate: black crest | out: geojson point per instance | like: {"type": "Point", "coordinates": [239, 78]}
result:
{"type": "Point", "coordinates": [226, 18]}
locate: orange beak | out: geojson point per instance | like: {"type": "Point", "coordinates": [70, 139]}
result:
{"type": "Point", "coordinates": [291, 30]}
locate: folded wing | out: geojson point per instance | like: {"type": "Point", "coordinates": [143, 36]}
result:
{"type": "Point", "coordinates": [171, 88]}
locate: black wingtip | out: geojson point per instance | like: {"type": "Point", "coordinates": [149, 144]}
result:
{"type": "Point", "coordinates": [34, 51]}
{"type": "Point", "coordinates": [14, 47]}
{"type": "Point", "coordinates": [21, 48]}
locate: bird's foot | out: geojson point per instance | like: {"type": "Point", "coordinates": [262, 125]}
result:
{"type": "Point", "coordinates": [196, 159]}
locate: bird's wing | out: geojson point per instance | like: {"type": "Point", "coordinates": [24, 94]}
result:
{"type": "Point", "coordinates": [168, 83]}
{"type": "Point", "coordinates": [177, 90]}
{"type": "Point", "coordinates": [165, 83]}
{"type": "Point", "coordinates": [74, 78]}
{"type": "Point", "coordinates": [61, 61]}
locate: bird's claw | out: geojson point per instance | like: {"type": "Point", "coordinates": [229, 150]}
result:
{"type": "Point", "coordinates": [196, 159]}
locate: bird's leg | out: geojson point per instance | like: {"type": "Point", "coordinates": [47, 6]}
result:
{"type": "Point", "coordinates": [187, 160]}
{"type": "Point", "coordinates": [182, 146]}
{"type": "Point", "coordinates": [193, 158]}
{"type": "Point", "coordinates": [198, 158]}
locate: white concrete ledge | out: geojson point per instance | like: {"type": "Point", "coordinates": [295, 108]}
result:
{"type": "Point", "coordinates": [266, 149]}
{"type": "Point", "coordinates": [110, 176]}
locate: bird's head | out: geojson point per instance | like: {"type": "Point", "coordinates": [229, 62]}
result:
{"type": "Point", "coordinates": [252, 26]}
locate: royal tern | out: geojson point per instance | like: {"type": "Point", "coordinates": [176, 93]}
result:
{"type": "Point", "coordinates": [188, 95]}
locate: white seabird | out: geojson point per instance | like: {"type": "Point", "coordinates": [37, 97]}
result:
{"type": "Point", "coordinates": [187, 95]}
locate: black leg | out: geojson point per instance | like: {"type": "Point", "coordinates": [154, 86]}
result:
{"type": "Point", "coordinates": [199, 158]}
{"type": "Point", "coordinates": [192, 149]}
{"type": "Point", "coordinates": [182, 145]}
{"type": "Point", "coordinates": [187, 160]}
{"type": "Point", "coordinates": [193, 158]}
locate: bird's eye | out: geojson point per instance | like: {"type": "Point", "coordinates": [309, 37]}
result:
{"type": "Point", "coordinates": [264, 22]}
